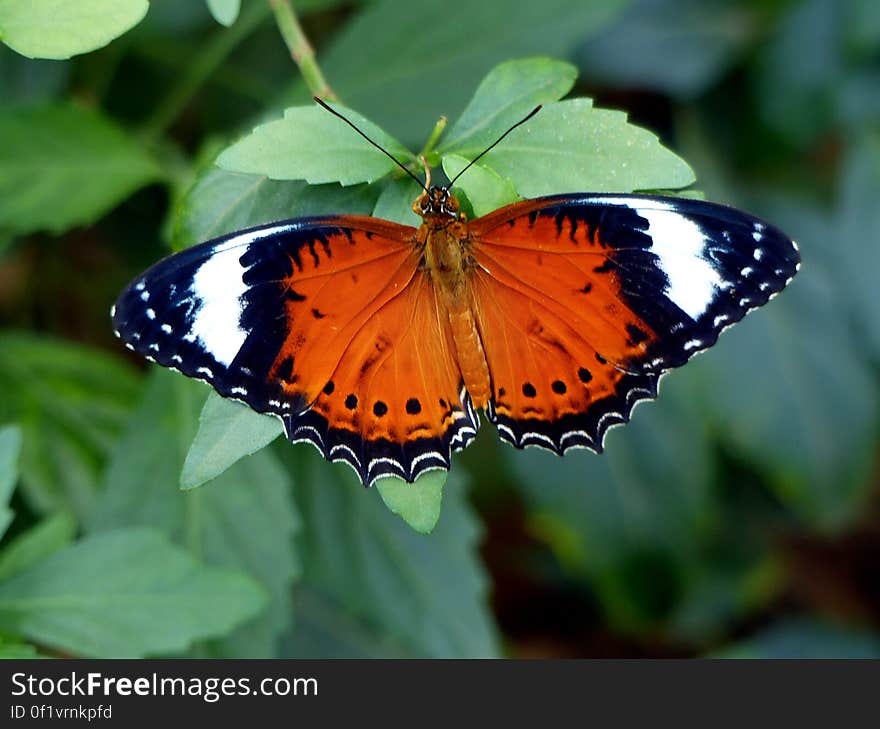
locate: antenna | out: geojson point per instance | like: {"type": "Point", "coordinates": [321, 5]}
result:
{"type": "Point", "coordinates": [521, 121]}
{"type": "Point", "coordinates": [321, 102]}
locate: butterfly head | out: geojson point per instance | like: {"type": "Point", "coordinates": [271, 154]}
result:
{"type": "Point", "coordinates": [437, 206]}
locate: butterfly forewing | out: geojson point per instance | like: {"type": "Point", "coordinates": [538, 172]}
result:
{"type": "Point", "coordinates": [584, 301]}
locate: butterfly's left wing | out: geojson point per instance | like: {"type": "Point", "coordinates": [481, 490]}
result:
{"type": "Point", "coordinates": [328, 323]}
{"type": "Point", "coordinates": [584, 301]}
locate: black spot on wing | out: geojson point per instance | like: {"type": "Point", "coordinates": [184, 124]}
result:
{"type": "Point", "coordinates": [581, 430]}
{"type": "Point", "coordinates": [285, 369]}
{"type": "Point", "coordinates": [637, 335]}
{"type": "Point", "coordinates": [373, 459]}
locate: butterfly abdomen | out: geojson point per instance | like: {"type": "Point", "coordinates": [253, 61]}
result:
{"type": "Point", "coordinates": [469, 353]}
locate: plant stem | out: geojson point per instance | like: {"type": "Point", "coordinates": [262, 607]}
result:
{"type": "Point", "coordinates": [428, 149]}
{"type": "Point", "coordinates": [300, 49]}
{"type": "Point", "coordinates": [210, 57]}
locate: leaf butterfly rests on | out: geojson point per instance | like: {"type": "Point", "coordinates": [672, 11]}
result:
{"type": "Point", "coordinates": [378, 342]}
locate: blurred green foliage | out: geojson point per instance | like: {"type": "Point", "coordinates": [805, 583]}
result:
{"type": "Point", "coordinates": [736, 516]}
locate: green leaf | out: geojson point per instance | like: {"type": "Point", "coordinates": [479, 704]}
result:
{"type": "Point", "coordinates": [14, 649]}
{"type": "Point", "coordinates": [125, 594]}
{"type": "Point", "coordinates": [244, 519]}
{"type": "Point", "coordinates": [10, 448]}
{"type": "Point", "coordinates": [225, 12]}
{"type": "Point", "coordinates": [221, 202]}
{"type": "Point", "coordinates": [247, 520]}
{"type": "Point", "coordinates": [324, 628]}
{"type": "Point", "coordinates": [71, 403]}
{"type": "Point", "coordinates": [268, 552]}
{"type": "Point", "coordinates": [49, 536]}
{"type": "Point", "coordinates": [395, 202]}
{"type": "Point", "coordinates": [486, 189]}
{"type": "Point", "coordinates": [62, 166]}
{"type": "Point", "coordinates": [228, 431]}
{"type": "Point", "coordinates": [806, 638]}
{"type": "Point", "coordinates": [311, 144]}
{"type": "Point", "coordinates": [396, 52]}
{"type": "Point", "coordinates": [417, 503]}
{"type": "Point", "coordinates": [143, 473]}
{"type": "Point", "coordinates": [507, 93]}
{"type": "Point", "coordinates": [366, 572]}
{"type": "Point", "coordinates": [61, 29]}
{"type": "Point", "coordinates": [572, 147]}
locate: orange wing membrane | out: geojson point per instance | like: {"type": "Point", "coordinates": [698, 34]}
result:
{"type": "Point", "coordinates": [583, 301]}
{"type": "Point", "coordinates": [313, 320]}
{"type": "Point", "coordinates": [395, 404]}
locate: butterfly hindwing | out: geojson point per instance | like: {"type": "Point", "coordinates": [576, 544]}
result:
{"type": "Point", "coordinates": [550, 385]}
{"type": "Point", "coordinates": [294, 317]}
{"type": "Point", "coordinates": [584, 301]}
{"type": "Point", "coordinates": [395, 404]}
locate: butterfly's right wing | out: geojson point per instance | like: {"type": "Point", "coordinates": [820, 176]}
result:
{"type": "Point", "coordinates": [583, 301]}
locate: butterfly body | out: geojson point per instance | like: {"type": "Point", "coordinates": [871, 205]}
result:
{"type": "Point", "coordinates": [448, 260]}
{"type": "Point", "coordinates": [378, 342]}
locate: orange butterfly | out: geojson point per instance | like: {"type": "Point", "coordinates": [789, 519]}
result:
{"type": "Point", "coordinates": [378, 342]}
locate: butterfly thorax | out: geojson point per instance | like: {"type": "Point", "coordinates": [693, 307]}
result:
{"type": "Point", "coordinates": [443, 237]}
{"type": "Point", "coordinates": [446, 245]}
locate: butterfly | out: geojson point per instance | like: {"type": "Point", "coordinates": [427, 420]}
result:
{"type": "Point", "coordinates": [378, 342]}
